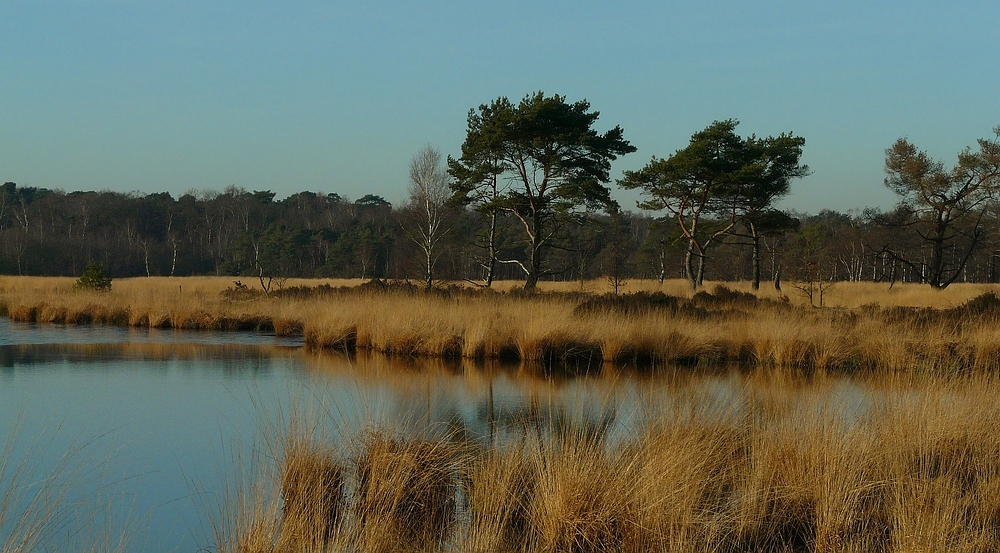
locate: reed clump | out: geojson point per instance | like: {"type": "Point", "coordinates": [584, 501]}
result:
{"type": "Point", "coordinates": [500, 487]}
{"type": "Point", "coordinates": [951, 332]}
{"type": "Point", "coordinates": [405, 497]}
{"type": "Point", "coordinates": [312, 489]}
{"type": "Point", "coordinates": [572, 512]}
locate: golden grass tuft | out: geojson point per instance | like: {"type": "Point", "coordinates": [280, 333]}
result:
{"type": "Point", "coordinates": [500, 487]}
{"type": "Point", "coordinates": [312, 490]}
{"type": "Point", "coordinates": [259, 538]}
{"type": "Point", "coordinates": [405, 496]}
{"type": "Point", "coordinates": [584, 502]}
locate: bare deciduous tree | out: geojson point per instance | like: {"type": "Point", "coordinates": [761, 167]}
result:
{"type": "Point", "coordinates": [426, 213]}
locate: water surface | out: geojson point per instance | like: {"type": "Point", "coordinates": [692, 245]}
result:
{"type": "Point", "coordinates": [166, 411]}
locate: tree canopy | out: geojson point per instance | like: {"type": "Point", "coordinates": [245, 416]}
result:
{"type": "Point", "coordinates": [522, 201]}
{"type": "Point", "coordinates": [944, 207]}
{"type": "Point", "coordinates": [722, 177]}
{"type": "Point", "coordinates": [551, 159]}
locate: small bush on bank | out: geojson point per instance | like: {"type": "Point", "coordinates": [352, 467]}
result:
{"type": "Point", "coordinates": [93, 278]}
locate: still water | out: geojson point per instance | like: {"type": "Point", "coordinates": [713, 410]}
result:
{"type": "Point", "coordinates": [163, 414]}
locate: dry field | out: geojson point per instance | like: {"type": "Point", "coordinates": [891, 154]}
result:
{"type": "Point", "coordinates": [867, 327]}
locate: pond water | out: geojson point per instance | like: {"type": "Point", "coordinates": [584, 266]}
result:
{"type": "Point", "coordinates": [164, 412]}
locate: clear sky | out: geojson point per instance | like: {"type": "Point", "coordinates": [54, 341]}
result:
{"type": "Point", "coordinates": [337, 96]}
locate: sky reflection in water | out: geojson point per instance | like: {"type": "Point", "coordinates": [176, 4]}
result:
{"type": "Point", "coordinates": [169, 408]}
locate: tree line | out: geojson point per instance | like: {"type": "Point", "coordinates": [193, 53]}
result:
{"type": "Point", "coordinates": [529, 198]}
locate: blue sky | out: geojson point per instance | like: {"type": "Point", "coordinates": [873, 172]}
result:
{"type": "Point", "coordinates": [337, 96]}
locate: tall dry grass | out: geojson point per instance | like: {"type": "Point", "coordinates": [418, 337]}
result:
{"type": "Point", "coordinates": [778, 470]}
{"type": "Point", "coordinates": [908, 328]}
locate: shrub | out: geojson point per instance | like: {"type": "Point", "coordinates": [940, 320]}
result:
{"type": "Point", "coordinates": [93, 278]}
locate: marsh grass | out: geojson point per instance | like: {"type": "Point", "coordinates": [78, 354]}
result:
{"type": "Point", "coordinates": [777, 469]}
{"type": "Point", "coordinates": [906, 329]}
{"type": "Point", "coordinates": [500, 487]}
{"type": "Point", "coordinates": [780, 469]}
{"type": "Point", "coordinates": [406, 492]}
{"type": "Point", "coordinates": [312, 488]}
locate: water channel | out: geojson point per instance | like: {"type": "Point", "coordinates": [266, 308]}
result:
{"type": "Point", "coordinates": [163, 413]}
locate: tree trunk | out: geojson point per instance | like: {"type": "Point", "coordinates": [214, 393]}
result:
{"type": "Point", "coordinates": [173, 260]}
{"type": "Point", "coordinates": [145, 253]}
{"type": "Point", "coordinates": [260, 271]}
{"type": "Point", "coordinates": [430, 269]}
{"type": "Point", "coordinates": [535, 263]}
{"type": "Point", "coordinates": [689, 271]}
{"type": "Point", "coordinates": [491, 263]}
{"type": "Point", "coordinates": [936, 261]}
{"type": "Point", "coordinates": [663, 261]}
{"type": "Point", "coordinates": [534, 267]}
{"type": "Point", "coordinates": [755, 283]}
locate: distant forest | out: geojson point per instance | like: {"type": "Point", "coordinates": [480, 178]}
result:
{"type": "Point", "coordinates": [236, 232]}
{"type": "Point", "coordinates": [529, 198]}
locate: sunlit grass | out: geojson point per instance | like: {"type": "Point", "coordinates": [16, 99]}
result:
{"type": "Point", "coordinates": [870, 333]}
{"type": "Point", "coordinates": [781, 468]}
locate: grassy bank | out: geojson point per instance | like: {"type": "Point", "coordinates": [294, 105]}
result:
{"type": "Point", "coordinates": [776, 470]}
{"type": "Point", "coordinates": [908, 328]}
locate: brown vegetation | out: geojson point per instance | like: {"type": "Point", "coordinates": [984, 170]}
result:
{"type": "Point", "coordinates": [949, 331]}
{"type": "Point", "coordinates": [405, 493]}
{"type": "Point", "coordinates": [312, 486]}
{"type": "Point", "coordinates": [910, 464]}
{"type": "Point", "coordinates": [918, 469]}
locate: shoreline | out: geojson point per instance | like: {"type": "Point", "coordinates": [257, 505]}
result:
{"type": "Point", "coordinates": [557, 330]}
